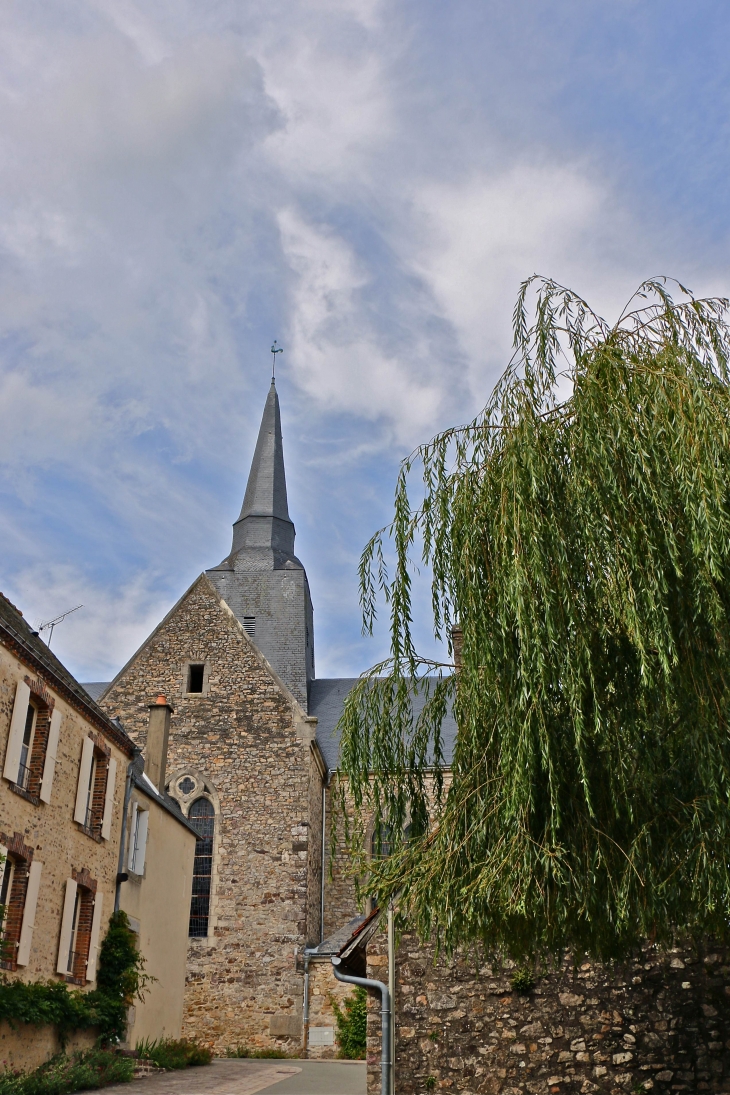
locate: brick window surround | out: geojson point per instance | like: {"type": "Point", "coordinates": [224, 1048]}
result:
{"type": "Point", "coordinates": [20, 856]}
{"type": "Point", "coordinates": [86, 891]}
{"type": "Point", "coordinates": [29, 781]}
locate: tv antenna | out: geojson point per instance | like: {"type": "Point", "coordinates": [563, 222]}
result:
{"type": "Point", "coordinates": [274, 352]}
{"type": "Point", "coordinates": [52, 623]}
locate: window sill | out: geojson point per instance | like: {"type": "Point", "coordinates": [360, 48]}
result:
{"type": "Point", "coordinates": [90, 832]}
{"type": "Point", "coordinates": [18, 790]}
{"type": "Point", "coordinates": [71, 980]}
{"type": "Point", "coordinates": [6, 964]}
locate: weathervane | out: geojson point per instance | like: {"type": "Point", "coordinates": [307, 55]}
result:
{"type": "Point", "coordinates": [57, 620]}
{"type": "Point", "coordinates": [274, 352]}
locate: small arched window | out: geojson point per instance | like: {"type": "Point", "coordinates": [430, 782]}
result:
{"type": "Point", "coordinates": [202, 818]}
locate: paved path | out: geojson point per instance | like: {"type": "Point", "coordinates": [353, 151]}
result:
{"type": "Point", "coordinates": [245, 1077]}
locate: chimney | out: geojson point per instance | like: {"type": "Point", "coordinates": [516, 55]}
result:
{"type": "Point", "coordinates": [158, 733]}
{"type": "Point", "coordinates": [457, 644]}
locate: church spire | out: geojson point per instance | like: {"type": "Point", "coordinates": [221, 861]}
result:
{"type": "Point", "coordinates": [264, 521]}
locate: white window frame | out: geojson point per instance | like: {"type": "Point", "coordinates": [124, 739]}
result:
{"type": "Point", "coordinates": [138, 839]}
{"type": "Point", "coordinates": [16, 731]}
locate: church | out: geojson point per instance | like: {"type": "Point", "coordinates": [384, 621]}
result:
{"type": "Point", "coordinates": [250, 756]}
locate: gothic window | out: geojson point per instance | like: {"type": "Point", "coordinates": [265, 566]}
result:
{"type": "Point", "coordinates": [202, 817]}
{"type": "Point", "coordinates": [186, 785]}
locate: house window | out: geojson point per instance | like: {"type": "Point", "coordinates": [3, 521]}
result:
{"type": "Point", "coordinates": [249, 626]}
{"type": "Point", "coordinates": [196, 677]}
{"type": "Point", "coordinates": [95, 790]}
{"type": "Point", "coordinates": [19, 885]}
{"type": "Point", "coordinates": [80, 927]}
{"type": "Point", "coordinates": [202, 817]}
{"type": "Point", "coordinates": [30, 757]}
{"type": "Point", "coordinates": [138, 839]}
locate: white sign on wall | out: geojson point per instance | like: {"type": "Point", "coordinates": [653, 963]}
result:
{"type": "Point", "coordinates": [321, 1036]}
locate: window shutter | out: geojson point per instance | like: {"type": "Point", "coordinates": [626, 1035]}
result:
{"type": "Point", "coordinates": [87, 759]}
{"type": "Point", "coordinates": [31, 900]}
{"type": "Point", "coordinates": [142, 821]}
{"type": "Point", "coordinates": [66, 926]}
{"type": "Point", "coordinates": [50, 763]}
{"type": "Point", "coordinates": [94, 942]}
{"type": "Point", "coordinates": [132, 837]}
{"type": "Point", "coordinates": [17, 728]}
{"type": "Point", "coordinates": [111, 779]}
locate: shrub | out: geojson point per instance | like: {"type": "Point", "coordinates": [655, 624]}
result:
{"type": "Point", "coordinates": [352, 1024]}
{"type": "Point", "coordinates": [173, 1053]}
{"type": "Point", "coordinates": [523, 980]}
{"type": "Point", "coordinates": [63, 1075]}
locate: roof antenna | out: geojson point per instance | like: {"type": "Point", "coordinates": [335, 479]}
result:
{"type": "Point", "coordinates": [274, 352]}
{"type": "Point", "coordinates": [57, 620]}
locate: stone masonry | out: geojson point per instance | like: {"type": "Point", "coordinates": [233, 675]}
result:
{"type": "Point", "coordinates": [660, 1023]}
{"type": "Point", "coordinates": [253, 745]}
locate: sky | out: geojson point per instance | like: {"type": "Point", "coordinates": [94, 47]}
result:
{"type": "Point", "coordinates": [366, 181]}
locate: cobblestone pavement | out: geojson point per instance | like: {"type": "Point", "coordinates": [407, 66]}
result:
{"type": "Point", "coordinates": [245, 1077]}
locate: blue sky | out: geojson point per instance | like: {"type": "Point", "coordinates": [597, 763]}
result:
{"type": "Point", "coordinates": [366, 181]}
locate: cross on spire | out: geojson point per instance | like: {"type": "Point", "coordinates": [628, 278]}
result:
{"type": "Point", "coordinates": [274, 352]}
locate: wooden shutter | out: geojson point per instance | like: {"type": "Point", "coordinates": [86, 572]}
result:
{"type": "Point", "coordinates": [132, 837]}
{"type": "Point", "coordinates": [67, 921]}
{"type": "Point", "coordinates": [94, 942]}
{"type": "Point", "coordinates": [87, 759]}
{"type": "Point", "coordinates": [111, 780]}
{"type": "Point", "coordinates": [31, 900]}
{"type": "Point", "coordinates": [143, 818]}
{"type": "Point", "coordinates": [49, 766]}
{"type": "Point", "coordinates": [17, 729]}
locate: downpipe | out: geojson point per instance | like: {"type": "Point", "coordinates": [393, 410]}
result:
{"type": "Point", "coordinates": [367, 983]}
{"type": "Point", "coordinates": [121, 873]}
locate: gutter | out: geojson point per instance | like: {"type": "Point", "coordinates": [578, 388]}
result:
{"type": "Point", "coordinates": [367, 983]}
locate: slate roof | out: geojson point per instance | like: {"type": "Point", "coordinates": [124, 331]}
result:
{"type": "Point", "coordinates": [326, 700]}
{"type": "Point", "coordinates": [355, 933]}
{"type": "Point", "coordinates": [327, 697]}
{"type": "Point", "coordinates": [16, 633]}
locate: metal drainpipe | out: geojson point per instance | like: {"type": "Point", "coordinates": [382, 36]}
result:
{"type": "Point", "coordinates": [391, 986]}
{"type": "Point", "coordinates": [121, 876]}
{"type": "Point", "coordinates": [367, 983]}
{"type": "Point", "coordinates": [321, 899]}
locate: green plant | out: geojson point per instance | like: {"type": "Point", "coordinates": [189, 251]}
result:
{"type": "Point", "coordinates": [120, 979]}
{"type": "Point", "coordinates": [577, 534]}
{"type": "Point", "coordinates": [63, 1075]}
{"type": "Point", "coordinates": [173, 1053]}
{"type": "Point", "coordinates": [351, 1022]}
{"type": "Point", "coordinates": [264, 1054]}
{"type": "Point", "coordinates": [522, 979]}
{"type": "Point", "coordinates": [430, 1083]}
{"type": "Point", "coordinates": [434, 1036]}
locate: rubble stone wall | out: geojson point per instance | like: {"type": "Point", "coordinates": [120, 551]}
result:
{"type": "Point", "coordinates": [660, 1023]}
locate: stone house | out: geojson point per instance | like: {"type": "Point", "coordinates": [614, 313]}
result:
{"type": "Point", "coordinates": [156, 862]}
{"type": "Point", "coordinates": [64, 762]}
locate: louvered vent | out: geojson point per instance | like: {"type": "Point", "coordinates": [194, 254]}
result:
{"type": "Point", "coordinates": [249, 626]}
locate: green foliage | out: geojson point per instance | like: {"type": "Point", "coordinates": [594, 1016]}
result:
{"type": "Point", "coordinates": [523, 979]}
{"type": "Point", "coordinates": [120, 978]}
{"type": "Point", "coordinates": [578, 531]}
{"type": "Point", "coordinates": [352, 1020]}
{"type": "Point", "coordinates": [265, 1054]}
{"type": "Point", "coordinates": [63, 1075]}
{"type": "Point", "coordinates": [430, 1083]}
{"type": "Point", "coordinates": [173, 1053]}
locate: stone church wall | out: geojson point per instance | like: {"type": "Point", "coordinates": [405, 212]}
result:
{"type": "Point", "coordinates": [241, 736]}
{"type": "Point", "coordinates": [660, 1023]}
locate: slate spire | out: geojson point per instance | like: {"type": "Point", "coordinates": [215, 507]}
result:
{"type": "Point", "coordinates": [264, 521]}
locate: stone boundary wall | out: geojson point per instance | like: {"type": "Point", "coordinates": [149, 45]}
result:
{"type": "Point", "coordinates": [660, 1023]}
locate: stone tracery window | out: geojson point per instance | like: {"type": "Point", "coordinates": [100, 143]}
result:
{"type": "Point", "coordinates": [202, 817]}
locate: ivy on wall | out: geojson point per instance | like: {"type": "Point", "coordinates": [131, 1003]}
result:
{"type": "Point", "coordinates": [120, 980]}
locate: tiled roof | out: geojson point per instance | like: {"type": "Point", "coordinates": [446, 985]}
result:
{"type": "Point", "coordinates": [16, 633]}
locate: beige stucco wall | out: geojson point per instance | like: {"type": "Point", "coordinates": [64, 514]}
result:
{"type": "Point", "coordinates": [49, 828]}
{"type": "Point", "coordinates": [159, 901]}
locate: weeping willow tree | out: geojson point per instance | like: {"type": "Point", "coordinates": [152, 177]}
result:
{"type": "Point", "coordinates": [578, 532]}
